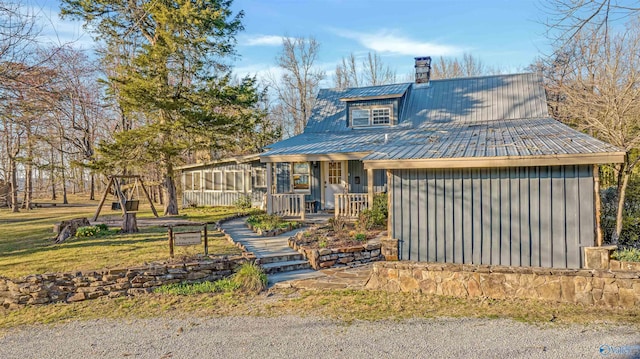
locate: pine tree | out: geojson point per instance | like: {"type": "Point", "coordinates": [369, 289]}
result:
{"type": "Point", "coordinates": [172, 77]}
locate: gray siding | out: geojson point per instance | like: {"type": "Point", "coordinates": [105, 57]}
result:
{"type": "Point", "coordinates": [533, 216]}
{"type": "Point", "coordinates": [356, 169]}
{"type": "Point", "coordinates": [223, 198]}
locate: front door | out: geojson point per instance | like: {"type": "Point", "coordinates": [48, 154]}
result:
{"type": "Point", "coordinates": [334, 181]}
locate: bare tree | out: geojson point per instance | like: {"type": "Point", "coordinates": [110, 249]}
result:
{"type": "Point", "coordinates": [297, 87]}
{"type": "Point", "coordinates": [468, 66]}
{"type": "Point", "coordinates": [594, 80]}
{"type": "Point", "coordinates": [567, 18]}
{"type": "Point", "coordinates": [372, 72]}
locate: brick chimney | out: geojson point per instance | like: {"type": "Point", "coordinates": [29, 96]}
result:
{"type": "Point", "coordinates": [423, 69]}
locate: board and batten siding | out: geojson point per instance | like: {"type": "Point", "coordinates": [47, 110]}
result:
{"type": "Point", "coordinates": [204, 197]}
{"type": "Point", "coordinates": [527, 216]}
{"type": "Point", "coordinates": [356, 169]}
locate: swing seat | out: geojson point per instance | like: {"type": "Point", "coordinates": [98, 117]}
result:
{"type": "Point", "coordinates": [130, 205]}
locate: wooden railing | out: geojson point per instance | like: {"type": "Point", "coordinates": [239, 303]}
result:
{"type": "Point", "coordinates": [351, 204]}
{"type": "Point", "coordinates": [287, 205]}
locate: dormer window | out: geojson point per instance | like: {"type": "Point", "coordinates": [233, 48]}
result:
{"type": "Point", "coordinates": [381, 116]}
{"type": "Point", "coordinates": [371, 116]}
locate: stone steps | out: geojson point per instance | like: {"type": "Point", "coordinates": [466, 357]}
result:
{"type": "Point", "coordinates": [286, 266]}
{"type": "Point", "coordinates": [280, 257]}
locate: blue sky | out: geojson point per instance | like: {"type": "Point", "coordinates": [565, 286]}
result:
{"type": "Point", "coordinates": [507, 34]}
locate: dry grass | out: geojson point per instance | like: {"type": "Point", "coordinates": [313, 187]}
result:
{"type": "Point", "coordinates": [340, 305]}
{"type": "Point", "coordinates": [26, 246]}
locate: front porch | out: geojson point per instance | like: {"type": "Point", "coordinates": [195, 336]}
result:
{"type": "Point", "coordinates": [339, 186]}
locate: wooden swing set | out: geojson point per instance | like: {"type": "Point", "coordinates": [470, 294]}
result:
{"type": "Point", "coordinates": [125, 203]}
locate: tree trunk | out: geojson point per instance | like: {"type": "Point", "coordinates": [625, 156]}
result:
{"type": "Point", "coordinates": [64, 181]}
{"type": "Point", "coordinates": [597, 204]}
{"type": "Point", "coordinates": [53, 177]}
{"type": "Point", "coordinates": [14, 187]}
{"type": "Point", "coordinates": [160, 195]}
{"type": "Point", "coordinates": [92, 189]}
{"type": "Point", "coordinates": [171, 208]}
{"type": "Point", "coordinates": [622, 189]}
{"type": "Point", "coordinates": [129, 223]}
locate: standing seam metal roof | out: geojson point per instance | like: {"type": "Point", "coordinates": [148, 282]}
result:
{"type": "Point", "coordinates": [503, 115]}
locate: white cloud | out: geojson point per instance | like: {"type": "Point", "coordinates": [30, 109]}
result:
{"type": "Point", "coordinates": [260, 40]}
{"type": "Point", "coordinates": [264, 72]}
{"type": "Point", "coordinates": [388, 41]}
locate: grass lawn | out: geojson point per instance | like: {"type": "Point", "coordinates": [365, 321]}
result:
{"type": "Point", "coordinates": [343, 305]}
{"type": "Point", "coordinates": [26, 246]}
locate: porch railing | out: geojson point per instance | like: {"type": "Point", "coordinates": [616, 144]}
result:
{"type": "Point", "coordinates": [288, 205]}
{"type": "Point", "coordinates": [351, 204]}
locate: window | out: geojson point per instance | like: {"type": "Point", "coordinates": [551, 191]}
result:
{"type": "Point", "coordinates": [217, 181]}
{"type": "Point", "coordinates": [371, 116]}
{"type": "Point", "coordinates": [196, 181]}
{"type": "Point", "coordinates": [360, 117]}
{"type": "Point", "coordinates": [380, 116]}
{"type": "Point", "coordinates": [188, 181]}
{"type": "Point", "coordinates": [335, 173]}
{"type": "Point", "coordinates": [208, 181]}
{"type": "Point", "coordinates": [260, 178]}
{"type": "Point", "coordinates": [234, 181]}
{"type": "Point", "coordinates": [300, 174]}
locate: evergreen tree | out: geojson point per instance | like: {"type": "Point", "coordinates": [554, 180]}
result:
{"type": "Point", "coordinates": [172, 76]}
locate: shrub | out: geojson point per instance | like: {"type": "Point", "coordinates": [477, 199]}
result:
{"type": "Point", "coordinates": [250, 278]}
{"type": "Point", "coordinates": [361, 237]}
{"type": "Point", "coordinates": [376, 216]}
{"type": "Point", "coordinates": [266, 222]}
{"type": "Point", "coordinates": [627, 255]}
{"type": "Point", "coordinates": [90, 231]}
{"type": "Point", "coordinates": [243, 202]}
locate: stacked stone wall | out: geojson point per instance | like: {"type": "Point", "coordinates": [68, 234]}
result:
{"type": "Point", "coordinates": [116, 282]}
{"type": "Point", "coordinates": [607, 288]}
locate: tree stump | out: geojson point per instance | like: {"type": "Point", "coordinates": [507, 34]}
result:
{"type": "Point", "coordinates": [129, 223]}
{"type": "Point", "coordinates": [66, 229]}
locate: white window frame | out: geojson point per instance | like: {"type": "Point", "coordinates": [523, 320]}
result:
{"type": "Point", "coordinates": [213, 178]}
{"type": "Point", "coordinates": [373, 116]}
{"type": "Point", "coordinates": [302, 174]}
{"type": "Point", "coordinates": [361, 115]}
{"type": "Point", "coordinates": [236, 187]}
{"type": "Point", "coordinates": [370, 111]}
{"type": "Point", "coordinates": [191, 175]}
{"type": "Point", "coordinates": [259, 173]}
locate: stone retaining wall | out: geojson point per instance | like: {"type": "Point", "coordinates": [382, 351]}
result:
{"type": "Point", "coordinates": [336, 257]}
{"type": "Point", "coordinates": [79, 286]}
{"type": "Point", "coordinates": [589, 287]}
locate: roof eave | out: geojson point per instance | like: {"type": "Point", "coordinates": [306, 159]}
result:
{"type": "Point", "coordinates": [506, 161]}
{"type": "Point", "coordinates": [236, 159]}
{"type": "Point", "coordinates": [367, 98]}
{"type": "Point", "coordinates": [314, 157]}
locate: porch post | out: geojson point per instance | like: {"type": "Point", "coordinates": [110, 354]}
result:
{"type": "Point", "coordinates": [370, 187]}
{"type": "Point", "coordinates": [269, 187]}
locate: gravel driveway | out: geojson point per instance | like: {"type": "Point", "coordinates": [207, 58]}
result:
{"type": "Point", "coordinates": [294, 337]}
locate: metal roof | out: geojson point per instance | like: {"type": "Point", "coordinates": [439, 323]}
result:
{"type": "Point", "coordinates": [236, 159]}
{"type": "Point", "coordinates": [371, 92]}
{"type": "Point", "coordinates": [480, 117]}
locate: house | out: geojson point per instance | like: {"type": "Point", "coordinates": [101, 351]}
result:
{"type": "Point", "coordinates": [475, 169]}
{"type": "Point", "coordinates": [224, 182]}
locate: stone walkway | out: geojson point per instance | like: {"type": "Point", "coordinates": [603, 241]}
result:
{"type": "Point", "coordinates": [257, 244]}
{"type": "Point", "coordinates": [332, 278]}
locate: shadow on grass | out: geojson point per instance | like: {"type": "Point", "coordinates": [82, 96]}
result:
{"type": "Point", "coordinates": [147, 235]}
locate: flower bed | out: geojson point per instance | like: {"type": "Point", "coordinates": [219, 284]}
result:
{"type": "Point", "coordinates": [270, 225]}
{"type": "Point", "coordinates": [325, 247]}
